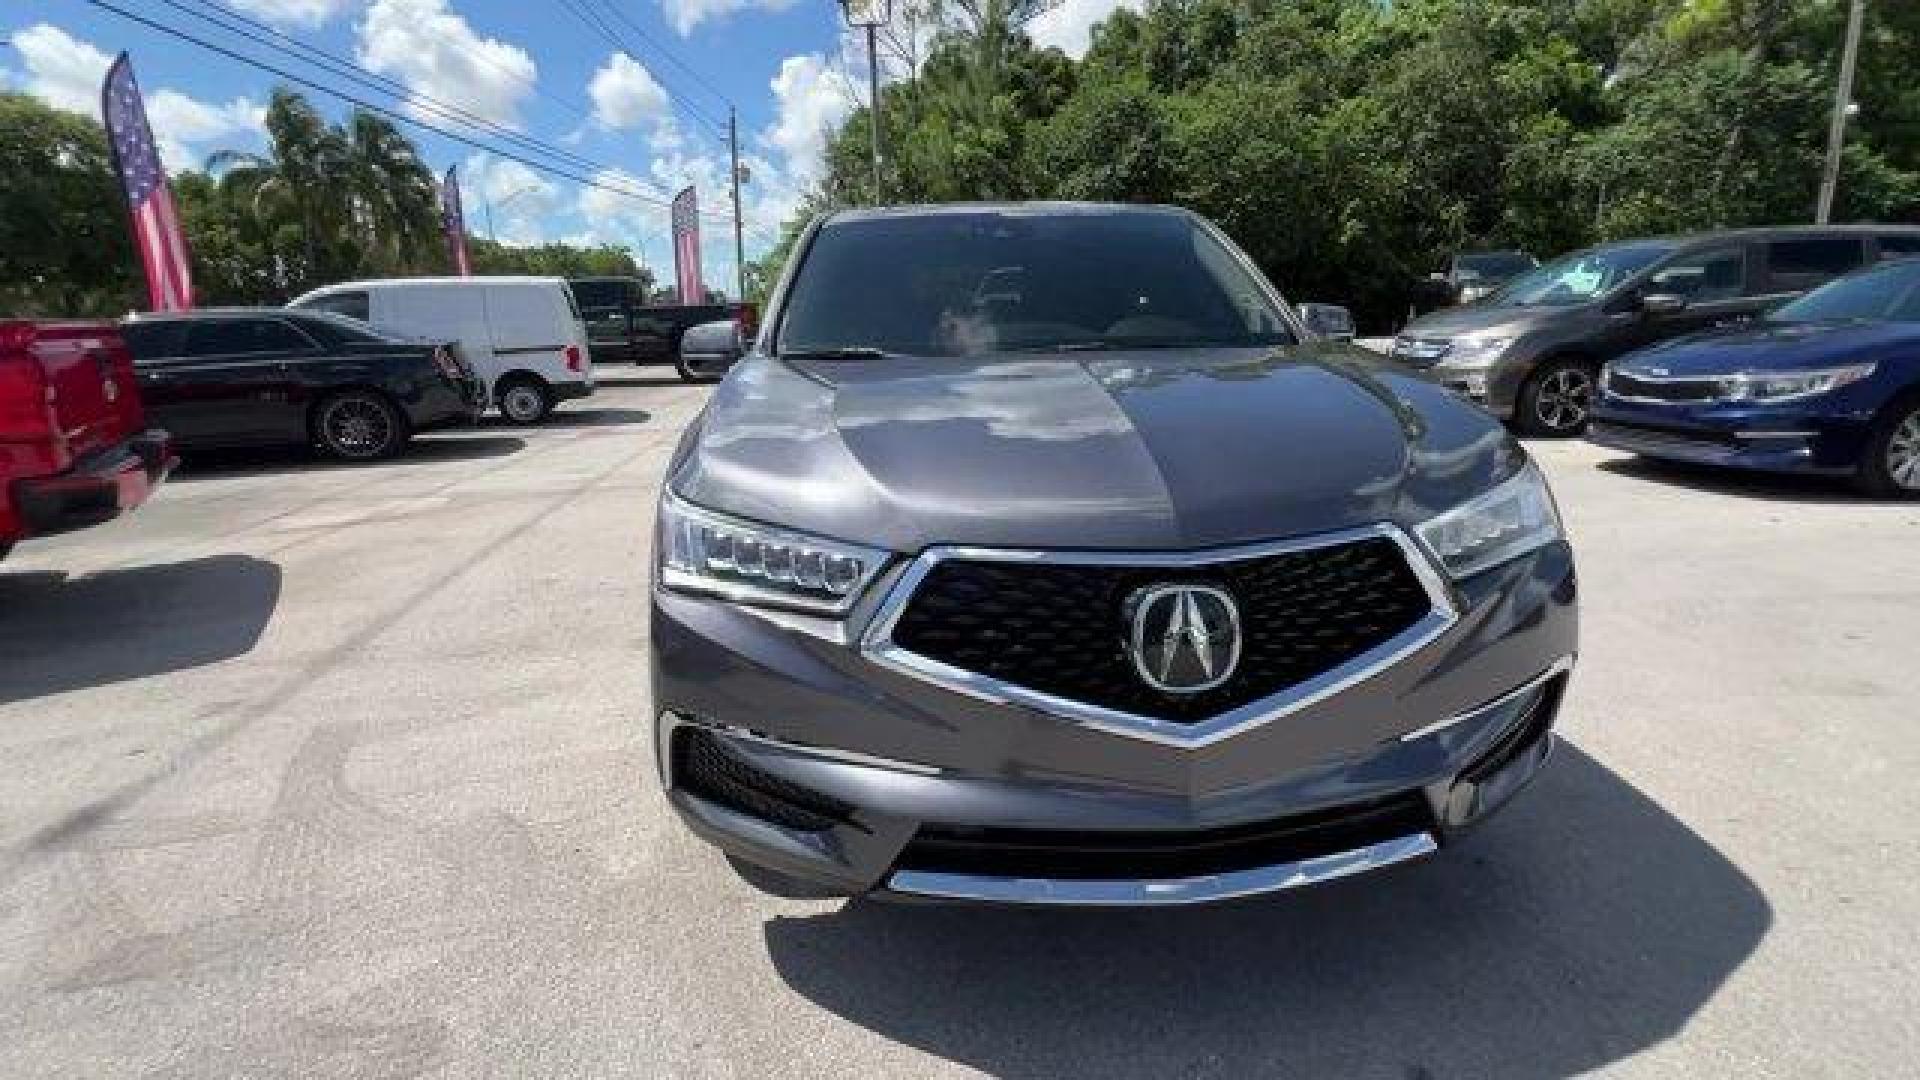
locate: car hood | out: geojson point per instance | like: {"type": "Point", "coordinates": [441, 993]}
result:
{"type": "Point", "coordinates": [1118, 450]}
{"type": "Point", "coordinates": [1774, 346]}
{"type": "Point", "coordinates": [1498, 320]}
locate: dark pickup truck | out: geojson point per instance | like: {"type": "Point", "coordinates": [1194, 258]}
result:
{"type": "Point", "coordinates": [75, 448]}
{"type": "Point", "coordinates": [623, 329]}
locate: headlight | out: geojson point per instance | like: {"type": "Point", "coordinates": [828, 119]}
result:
{"type": "Point", "coordinates": [1786, 385]}
{"type": "Point", "coordinates": [1476, 350]}
{"type": "Point", "coordinates": [705, 552]}
{"type": "Point", "coordinates": [1515, 517]}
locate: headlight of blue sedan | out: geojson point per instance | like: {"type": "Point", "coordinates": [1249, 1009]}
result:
{"type": "Point", "coordinates": [1789, 385]}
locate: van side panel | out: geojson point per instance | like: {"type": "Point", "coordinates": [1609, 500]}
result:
{"type": "Point", "coordinates": [441, 310]}
{"type": "Point", "coordinates": [525, 318]}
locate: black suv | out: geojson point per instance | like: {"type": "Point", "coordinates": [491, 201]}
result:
{"type": "Point", "coordinates": [623, 329]}
{"type": "Point", "coordinates": [254, 376]}
{"type": "Point", "coordinates": [1532, 350]}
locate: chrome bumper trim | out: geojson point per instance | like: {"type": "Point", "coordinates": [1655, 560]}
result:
{"type": "Point", "coordinates": [669, 720]}
{"type": "Point", "coordinates": [1563, 664]}
{"type": "Point", "coordinates": [1162, 892]}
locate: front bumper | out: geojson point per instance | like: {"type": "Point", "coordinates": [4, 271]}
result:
{"type": "Point", "coordinates": [1764, 438]}
{"type": "Point", "coordinates": [99, 488]}
{"type": "Point", "coordinates": [793, 751]}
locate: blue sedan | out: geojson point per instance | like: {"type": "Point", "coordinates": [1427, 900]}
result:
{"type": "Point", "coordinates": [1829, 383]}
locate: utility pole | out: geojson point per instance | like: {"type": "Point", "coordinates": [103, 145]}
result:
{"type": "Point", "coordinates": [1842, 108]}
{"type": "Point", "coordinates": [873, 106]}
{"type": "Point", "coordinates": [739, 241]}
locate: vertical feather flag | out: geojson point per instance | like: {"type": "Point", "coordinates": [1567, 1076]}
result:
{"type": "Point", "coordinates": [455, 222]}
{"type": "Point", "coordinates": [156, 223]}
{"type": "Point", "coordinates": [686, 247]}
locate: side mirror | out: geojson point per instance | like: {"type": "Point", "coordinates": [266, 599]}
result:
{"type": "Point", "coordinates": [1662, 304]}
{"type": "Point", "coordinates": [1329, 321]}
{"type": "Point", "coordinates": [709, 349]}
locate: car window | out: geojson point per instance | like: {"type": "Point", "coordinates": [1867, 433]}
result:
{"type": "Point", "coordinates": [151, 342]}
{"type": "Point", "coordinates": [339, 329]}
{"type": "Point", "coordinates": [1494, 265]}
{"type": "Point", "coordinates": [1899, 246]}
{"type": "Point", "coordinates": [1889, 292]}
{"type": "Point", "coordinates": [353, 304]}
{"type": "Point", "coordinates": [1703, 276]}
{"type": "Point", "coordinates": [595, 295]}
{"type": "Point", "coordinates": [231, 337]}
{"type": "Point", "coordinates": [1580, 277]}
{"type": "Point", "coordinates": [1810, 261]}
{"type": "Point", "coordinates": [962, 284]}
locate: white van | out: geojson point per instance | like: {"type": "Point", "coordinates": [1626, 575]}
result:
{"type": "Point", "coordinates": [522, 335]}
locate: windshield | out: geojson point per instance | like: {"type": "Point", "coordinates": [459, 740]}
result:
{"type": "Point", "coordinates": [1494, 265]}
{"type": "Point", "coordinates": [963, 284]}
{"type": "Point", "coordinates": [343, 329]}
{"type": "Point", "coordinates": [1890, 292]}
{"type": "Point", "coordinates": [1579, 277]}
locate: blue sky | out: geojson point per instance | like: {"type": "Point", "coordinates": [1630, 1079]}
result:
{"type": "Point", "coordinates": [638, 121]}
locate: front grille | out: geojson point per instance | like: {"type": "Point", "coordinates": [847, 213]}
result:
{"type": "Point", "coordinates": [1621, 384]}
{"type": "Point", "coordinates": [1041, 853]}
{"type": "Point", "coordinates": [1060, 628]}
{"type": "Point", "coordinates": [704, 767]}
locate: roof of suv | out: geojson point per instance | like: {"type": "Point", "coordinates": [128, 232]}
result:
{"type": "Point", "coordinates": [218, 313]}
{"type": "Point", "coordinates": [1038, 208]}
{"type": "Point", "coordinates": [1761, 232]}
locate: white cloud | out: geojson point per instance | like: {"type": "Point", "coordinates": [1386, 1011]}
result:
{"type": "Point", "coordinates": [438, 55]}
{"type": "Point", "coordinates": [66, 72]}
{"type": "Point", "coordinates": [625, 95]}
{"type": "Point", "coordinates": [810, 101]}
{"type": "Point", "coordinates": [1069, 27]}
{"type": "Point", "coordinates": [685, 15]}
{"type": "Point", "coordinates": [62, 70]}
{"type": "Point", "coordinates": [307, 13]}
{"type": "Point", "coordinates": [516, 197]}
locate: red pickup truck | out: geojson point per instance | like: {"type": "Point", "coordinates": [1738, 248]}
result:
{"type": "Point", "coordinates": [75, 449]}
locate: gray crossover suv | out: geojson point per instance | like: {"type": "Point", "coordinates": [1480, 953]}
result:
{"type": "Point", "coordinates": [1035, 554]}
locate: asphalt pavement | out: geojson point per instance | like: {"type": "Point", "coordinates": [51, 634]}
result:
{"type": "Point", "coordinates": [317, 771]}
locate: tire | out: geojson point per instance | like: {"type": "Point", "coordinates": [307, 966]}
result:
{"type": "Point", "coordinates": [358, 425]}
{"type": "Point", "coordinates": [687, 374]}
{"type": "Point", "coordinates": [1891, 466]}
{"type": "Point", "coordinates": [1557, 399]}
{"type": "Point", "coordinates": [523, 400]}
{"type": "Point", "coordinates": [775, 883]}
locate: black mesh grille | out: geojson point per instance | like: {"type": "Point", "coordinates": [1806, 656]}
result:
{"type": "Point", "coordinates": [703, 767]}
{"type": "Point", "coordinates": [1061, 628]}
{"type": "Point", "coordinates": [1625, 385]}
{"type": "Point", "coordinates": [1168, 854]}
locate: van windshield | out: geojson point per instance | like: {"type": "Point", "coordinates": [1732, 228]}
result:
{"type": "Point", "coordinates": [964, 284]}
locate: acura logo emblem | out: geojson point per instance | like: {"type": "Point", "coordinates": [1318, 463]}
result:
{"type": "Point", "coordinates": [1185, 638]}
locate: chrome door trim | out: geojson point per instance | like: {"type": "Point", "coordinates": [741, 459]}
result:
{"type": "Point", "coordinates": [878, 645]}
{"type": "Point", "coordinates": [1163, 892]}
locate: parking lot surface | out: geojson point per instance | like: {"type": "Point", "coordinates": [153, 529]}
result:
{"type": "Point", "coordinates": [335, 771]}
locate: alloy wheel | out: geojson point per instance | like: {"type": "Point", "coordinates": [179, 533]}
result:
{"type": "Point", "coordinates": [1564, 399]}
{"type": "Point", "coordinates": [357, 427]}
{"type": "Point", "coordinates": [1903, 453]}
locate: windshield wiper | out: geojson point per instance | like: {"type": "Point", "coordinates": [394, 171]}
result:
{"type": "Point", "coordinates": [836, 352]}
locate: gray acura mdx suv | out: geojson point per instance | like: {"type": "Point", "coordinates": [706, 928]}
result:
{"type": "Point", "coordinates": [1034, 554]}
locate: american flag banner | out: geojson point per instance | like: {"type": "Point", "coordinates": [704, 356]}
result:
{"type": "Point", "coordinates": [686, 247]}
{"type": "Point", "coordinates": [156, 224]}
{"type": "Point", "coordinates": [455, 223]}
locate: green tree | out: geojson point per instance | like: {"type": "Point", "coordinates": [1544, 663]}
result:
{"type": "Point", "coordinates": [64, 246]}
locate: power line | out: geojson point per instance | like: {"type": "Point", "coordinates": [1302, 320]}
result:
{"type": "Point", "coordinates": [363, 103]}
{"type": "Point", "coordinates": [339, 66]}
{"type": "Point", "coordinates": [665, 52]}
{"type": "Point", "coordinates": [586, 14]}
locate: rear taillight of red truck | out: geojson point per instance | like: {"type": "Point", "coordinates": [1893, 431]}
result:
{"type": "Point", "coordinates": [26, 398]}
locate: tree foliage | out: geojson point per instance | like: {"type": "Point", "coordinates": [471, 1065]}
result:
{"type": "Point", "coordinates": [1350, 144]}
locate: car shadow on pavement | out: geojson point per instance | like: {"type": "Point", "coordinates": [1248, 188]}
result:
{"type": "Point", "coordinates": [578, 418]}
{"type": "Point", "coordinates": [260, 461]}
{"type": "Point", "coordinates": [600, 378]}
{"type": "Point", "coordinates": [61, 633]}
{"type": "Point", "coordinates": [1581, 926]}
{"type": "Point", "coordinates": [1768, 487]}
